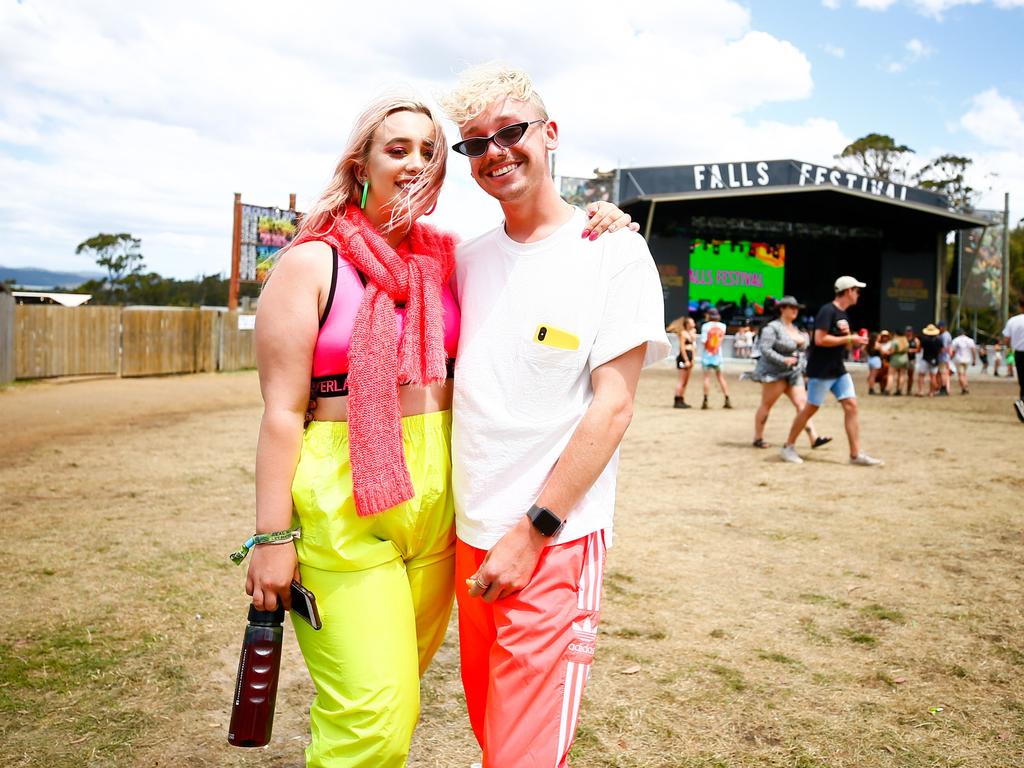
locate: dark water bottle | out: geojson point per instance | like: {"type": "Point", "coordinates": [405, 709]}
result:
{"type": "Point", "coordinates": [252, 711]}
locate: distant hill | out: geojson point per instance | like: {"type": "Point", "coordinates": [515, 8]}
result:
{"type": "Point", "coordinates": [45, 279]}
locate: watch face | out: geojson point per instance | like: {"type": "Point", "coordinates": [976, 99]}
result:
{"type": "Point", "coordinates": [545, 521]}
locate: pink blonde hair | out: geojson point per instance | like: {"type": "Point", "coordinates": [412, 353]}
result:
{"type": "Point", "coordinates": [345, 185]}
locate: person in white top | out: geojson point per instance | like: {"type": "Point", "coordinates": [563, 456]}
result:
{"type": "Point", "coordinates": [965, 354]}
{"type": "Point", "coordinates": [556, 329]}
{"type": "Point", "coordinates": [1013, 335]}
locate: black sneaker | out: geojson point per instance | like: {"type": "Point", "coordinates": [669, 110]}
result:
{"type": "Point", "coordinates": [680, 403]}
{"type": "Point", "coordinates": [704, 406]}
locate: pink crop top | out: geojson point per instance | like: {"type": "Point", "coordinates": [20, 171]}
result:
{"type": "Point", "coordinates": [330, 355]}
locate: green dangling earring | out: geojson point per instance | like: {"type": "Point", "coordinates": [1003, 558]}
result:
{"type": "Point", "coordinates": [366, 188]}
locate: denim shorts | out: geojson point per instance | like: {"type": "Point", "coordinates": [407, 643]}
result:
{"type": "Point", "coordinates": [818, 389]}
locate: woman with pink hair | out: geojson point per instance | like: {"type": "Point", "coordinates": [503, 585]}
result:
{"type": "Point", "coordinates": [356, 337]}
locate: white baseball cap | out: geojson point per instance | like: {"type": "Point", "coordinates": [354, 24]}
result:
{"type": "Point", "coordinates": [846, 282]}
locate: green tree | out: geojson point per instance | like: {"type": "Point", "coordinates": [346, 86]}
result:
{"type": "Point", "coordinates": [945, 175]}
{"type": "Point", "coordinates": [879, 157]}
{"type": "Point", "coordinates": [119, 255]}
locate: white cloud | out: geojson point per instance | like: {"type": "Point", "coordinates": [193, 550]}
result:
{"type": "Point", "coordinates": [935, 9]}
{"type": "Point", "coordinates": [996, 120]}
{"type": "Point", "coordinates": [913, 51]}
{"type": "Point", "coordinates": [834, 50]}
{"type": "Point", "coordinates": [998, 123]}
{"type": "Point", "coordinates": [916, 50]}
{"type": "Point", "coordinates": [832, 5]}
{"type": "Point", "coordinates": [149, 120]}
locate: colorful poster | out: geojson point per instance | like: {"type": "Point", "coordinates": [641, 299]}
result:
{"type": "Point", "coordinates": [265, 231]}
{"type": "Point", "coordinates": [981, 263]}
{"type": "Point", "coordinates": [734, 271]}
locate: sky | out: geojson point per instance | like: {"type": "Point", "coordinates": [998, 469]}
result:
{"type": "Point", "coordinates": [147, 117]}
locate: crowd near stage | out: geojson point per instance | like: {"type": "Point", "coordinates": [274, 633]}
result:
{"type": "Point", "coordinates": [735, 234]}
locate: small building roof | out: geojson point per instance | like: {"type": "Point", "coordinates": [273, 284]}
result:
{"type": "Point", "coordinates": [44, 297]}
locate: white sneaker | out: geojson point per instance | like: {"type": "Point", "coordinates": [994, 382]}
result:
{"type": "Point", "coordinates": [788, 453]}
{"type": "Point", "coordinates": [863, 460]}
{"type": "Point", "coordinates": [1019, 405]}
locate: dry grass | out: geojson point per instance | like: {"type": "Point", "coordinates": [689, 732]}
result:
{"type": "Point", "coordinates": [756, 614]}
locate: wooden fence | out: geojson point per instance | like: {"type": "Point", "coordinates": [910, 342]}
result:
{"type": "Point", "coordinates": [6, 338]}
{"type": "Point", "coordinates": [52, 340]}
{"type": "Point", "coordinates": [130, 341]}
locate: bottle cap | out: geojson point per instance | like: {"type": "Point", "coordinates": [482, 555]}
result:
{"type": "Point", "coordinates": [257, 616]}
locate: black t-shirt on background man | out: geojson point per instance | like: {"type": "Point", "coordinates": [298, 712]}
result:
{"type": "Point", "coordinates": [931, 346]}
{"type": "Point", "coordinates": [827, 362]}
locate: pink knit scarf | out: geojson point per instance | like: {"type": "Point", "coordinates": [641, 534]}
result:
{"type": "Point", "coordinates": [378, 360]}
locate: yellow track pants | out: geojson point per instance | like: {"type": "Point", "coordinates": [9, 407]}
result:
{"type": "Point", "coordinates": [384, 587]}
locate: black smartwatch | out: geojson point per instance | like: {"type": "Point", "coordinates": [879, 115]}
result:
{"type": "Point", "coordinates": [545, 521]}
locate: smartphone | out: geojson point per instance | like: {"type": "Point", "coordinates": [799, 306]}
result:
{"type": "Point", "coordinates": [304, 605]}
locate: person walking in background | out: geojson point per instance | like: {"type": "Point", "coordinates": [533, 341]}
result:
{"type": "Point", "coordinates": [884, 349]}
{"type": "Point", "coordinates": [964, 355]}
{"type": "Point", "coordinates": [997, 358]}
{"type": "Point", "coordinates": [899, 362]}
{"type": "Point", "coordinates": [913, 352]}
{"type": "Point", "coordinates": [686, 330]}
{"type": "Point", "coordinates": [1013, 334]}
{"type": "Point", "coordinates": [945, 356]}
{"type": "Point", "coordinates": [879, 348]}
{"type": "Point", "coordinates": [874, 361]}
{"type": "Point", "coordinates": [712, 334]}
{"type": "Point", "coordinates": [743, 342]}
{"type": "Point", "coordinates": [928, 360]}
{"type": "Point", "coordinates": [780, 369]}
{"type": "Point", "coordinates": [983, 356]}
{"type": "Point", "coordinates": [826, 372]}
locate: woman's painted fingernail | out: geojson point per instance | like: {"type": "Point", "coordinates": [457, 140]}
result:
{"type": "Point", "coordinates": [586, 234]}
{"type": "Point", "coordinates": [594, 235]}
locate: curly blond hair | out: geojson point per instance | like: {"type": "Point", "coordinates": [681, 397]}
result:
{"type": "Point", "coordinates": [484, 84]}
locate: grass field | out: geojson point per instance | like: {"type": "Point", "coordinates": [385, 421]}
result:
{"type": "Point", "coordinates": [756, 613]}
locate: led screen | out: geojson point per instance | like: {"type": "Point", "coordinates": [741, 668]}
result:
{"type": "Point", "coordinates": [727, 271]}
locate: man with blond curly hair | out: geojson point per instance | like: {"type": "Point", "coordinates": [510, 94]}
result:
{"type": "Point", "coordinates": [556, 329]}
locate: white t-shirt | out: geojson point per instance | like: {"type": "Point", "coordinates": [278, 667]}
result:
{"type": "Point", "coordinates": [963, 349]}
{"type": "Point", "coordinates": [518, 397]}
{"type": "Point", "coordinates": [1015, 330]}
{"type": "Point", "coordinates": [712, 336]}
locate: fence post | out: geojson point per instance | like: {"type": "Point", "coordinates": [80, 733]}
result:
{"type": "Point", "coordinates": [6, 338]}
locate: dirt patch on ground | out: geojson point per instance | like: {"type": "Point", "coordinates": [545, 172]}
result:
{"type": "Point", "coordinates": [756, 613]}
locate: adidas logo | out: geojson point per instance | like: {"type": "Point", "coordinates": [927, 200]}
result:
{"type": "Point", "coordinates": [585, 630]}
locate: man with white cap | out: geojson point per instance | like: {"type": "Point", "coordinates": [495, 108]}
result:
{"type": "Point", "coordinates": [827, 373]}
